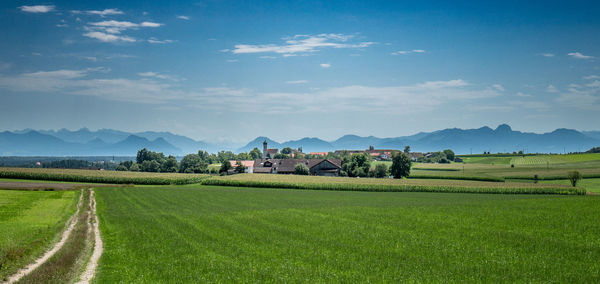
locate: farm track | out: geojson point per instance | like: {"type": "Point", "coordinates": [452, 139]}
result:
{"type": "Point", "coordinates": [90, 269]}
{"type": "Point", "coordinates": [38, 262]}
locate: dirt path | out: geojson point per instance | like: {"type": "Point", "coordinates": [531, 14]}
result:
{"type": "Point", "coordinates": [28, 269]}
{"type": "Point", "coordinates": [90, 269]}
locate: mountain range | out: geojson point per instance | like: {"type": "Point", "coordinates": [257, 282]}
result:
{"type": "Point", "coordinates": [107, 142]}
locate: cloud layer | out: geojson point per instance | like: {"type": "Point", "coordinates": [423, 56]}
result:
{"type": "Point", "coordinates": [302, 44]}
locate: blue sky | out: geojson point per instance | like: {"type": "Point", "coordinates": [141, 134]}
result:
{"type": "Point", "coordinates": [234, 70]}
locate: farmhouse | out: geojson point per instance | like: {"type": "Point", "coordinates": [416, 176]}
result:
{"type": "Point", "coordinates": [319, 167]}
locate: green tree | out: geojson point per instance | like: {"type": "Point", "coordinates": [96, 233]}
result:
{"type": "Point", "coordinates": [225, 167]}
{"type": "Point", "coordinates": [449, 154]}
{"type": "Point", "coordinates": [193, 164]}
{"type": "Point", "coordinates": [225, 156]}
{"type": "Point", "coordinates": [286, 150]}
{"type": "Point", "coordinates": [170, 165]}
{"type": "Point", "coordinates": [574, 177]}
{"type": "Point", "coordinates": [357, 165]}
{"type": "Point", "coordinates": [301, 169]}
{"type": "Point", "coordinates": [243, 156]}
{"type": "Point", "coordinates": [121, 168]}
{"type": "Point", "coordinates": [255, 154]}
{"type": "Point", "coordinates": [406, 149]}
{"type": "Point", "coordinates": [381, 170]}
{"type": "Point", "coordinates": [281, 156]}
{"type": "Point", "coordinates": [401, 164]}
{"type": "Point", "coordinates": [239, 167]}
{"type": "Point", "coordinates": [150, 166]}
{"type": "Point", "coordinates": [134, 167]}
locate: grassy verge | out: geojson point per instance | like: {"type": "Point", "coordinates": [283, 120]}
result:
{"type": "Point", "coordinates": [94, 176]}
{"type": "Point", "coordinates": [221, 234]}
{"type": "Point", "coordinates": [30, 222]}
{"type": "Point", "coordinates": [68, 262]}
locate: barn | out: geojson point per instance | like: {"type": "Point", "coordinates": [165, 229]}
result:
{"type": "Point", "coordinates": [319, 167]}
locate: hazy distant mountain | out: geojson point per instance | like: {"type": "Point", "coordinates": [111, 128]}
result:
{"type": "Point", "coordinates": [33, 143]}
{"type": "Point", "coordinates": [462, 141]}
{"type": "Point", "coordinates": [592, 134]}
{"type": "Point", "coordinates": [101, 142]}
{"type": "Point", "coordinates": [108, 142]}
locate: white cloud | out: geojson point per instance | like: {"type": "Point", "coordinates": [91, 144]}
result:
{"type": "Point", "coordinates": [116, 24]}
{"type": "Point", "coordinates": [267, 57]}
{"type": "Point", "coordinates": [302, 44]}
{"type": "Point", "coordinates": [297, 82]}
{"type": "Point", "coordinates": [325, 65]}
{"type": "Point", "coordinates": [150, 24]}
{"type": "Point", "coordinates": [415, 98]}
{"type": "Point", "coordinates": [104, 37]}
{"type": "Point", "coordinates": [579, 55]}
{"type": "Point", "coordinates": [551, 89]}
{"type": "Point", "coordinates": [157, 41]}
{"type": "Point", "coordinates": [158, 76]}
{"type": "Point", "coordinates": [183, 17]}
{"type": "Point", "coordinates": [546, 54]}
{"type": "Point", "coordinates": [498, 87]}
{"type": "Point", "coordinates": [402, 52]}
{"type": "Point", "coordinates": [105, 12]}
{"type": "Point", "coordinates": [109, 31]}
{"type": "Point", "coordinates": [591, 77]}
{"type": "Point", "coordinates": [232, 60]}
{"type": "Point", "coordinates": [38, 8]}
{"type": "Point", "coordinates": [519, 94]}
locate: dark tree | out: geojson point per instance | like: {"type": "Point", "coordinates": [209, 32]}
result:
{"type": "Point", "coordinates": [449, 154]}
{"type": "Point", "coordinates": [239, 167]}
{"type": "Point", "coordinates": [574, 177]}
{"type": "Point", "coordinates": [381, 170]}
{"type": "Point", "coordinates": [406, 149]}
{"type": "Point", "coordinates": [255, 154]}
{"type": "Point", "coordinates": [225, 167]}
{"type": "Point", "coordinates": [401, 164]}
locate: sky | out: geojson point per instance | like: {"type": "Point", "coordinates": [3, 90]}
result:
{"type": "Point", "coordinates": [233, 70]}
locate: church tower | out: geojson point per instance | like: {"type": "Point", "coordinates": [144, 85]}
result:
{"type": "Point", "coordinates": [265, 149]}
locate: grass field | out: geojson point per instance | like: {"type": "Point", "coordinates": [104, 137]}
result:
{"type": "Point", "coordinates": [219, 234]}
{"type": "Point", "coordinates": [96, 176]}
{"type": "Point", "coordinates": [372, 184]}
{"type": "Point", "coordinates": [29, 223]}
{"type": "Point", "coordinates": [590, 185]}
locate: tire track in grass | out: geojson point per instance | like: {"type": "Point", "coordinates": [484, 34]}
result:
{"type": "Point", "coordinates": [38, 262]}
{"type": "Point", "coordinates": [92, 265]}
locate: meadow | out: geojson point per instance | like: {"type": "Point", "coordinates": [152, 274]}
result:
{"type": "Point", "coordinates": [30, 222]}
{"type": "Point", "coordinates": [96, 176]}
{"type": "Point", "coordinates": [223, 234]}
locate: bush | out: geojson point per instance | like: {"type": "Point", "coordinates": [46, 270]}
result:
{"type": "Point", "coordinates": [301, 169]}
{"type": "Point", "coordinates": [381, 171]}
{"type": "Point", "coordinates": [121, 168]}
{"type": "Point", "coordinates": [574, 177]}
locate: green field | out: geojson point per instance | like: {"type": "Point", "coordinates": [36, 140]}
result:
{"type": "Point", "coordinates": [29, 223]}
{"type": "Point", "coordinates": [220, 234]}
{"type": "Point", "coordinates": [590, 185]}
{"type": "Point", "coordinates": [386, 184]}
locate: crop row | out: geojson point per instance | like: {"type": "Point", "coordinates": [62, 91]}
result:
{"type": "Point", "coordinates": [457, 177]}
{"type": "Point", "coordinates": [394, 188]}
{"type": "Point", "coordinates": [98, 176]}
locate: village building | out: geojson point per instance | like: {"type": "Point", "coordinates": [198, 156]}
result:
{"type": "Point", "coordinates": [321, 167]}
{"type": "Point", "coordinates": [318, 167]}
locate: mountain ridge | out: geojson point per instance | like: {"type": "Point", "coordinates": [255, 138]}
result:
{"type": "Point", "coordinates": [63, 142]}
